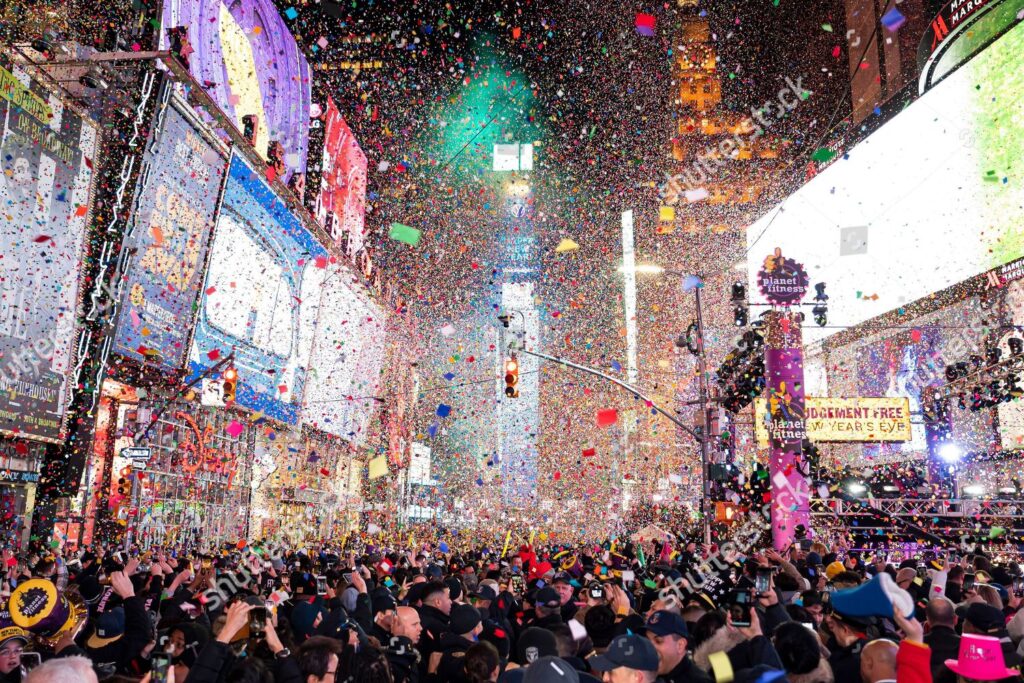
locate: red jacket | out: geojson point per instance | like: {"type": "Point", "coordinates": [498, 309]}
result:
{"type": "Point", "coordinates": [913, 663]}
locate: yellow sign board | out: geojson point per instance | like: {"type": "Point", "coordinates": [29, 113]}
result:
{"type": "Point", "coordinates": [846, 419]}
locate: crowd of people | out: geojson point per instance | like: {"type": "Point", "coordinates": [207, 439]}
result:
{"type": "Point", "coordinates": [614, 612]}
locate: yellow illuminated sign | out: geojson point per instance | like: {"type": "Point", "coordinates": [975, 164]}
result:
{"type": "Point", "coordinates": [846, 419]}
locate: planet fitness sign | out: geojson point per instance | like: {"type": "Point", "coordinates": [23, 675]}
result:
{"type": "Point", "coordinates": [782, 281]}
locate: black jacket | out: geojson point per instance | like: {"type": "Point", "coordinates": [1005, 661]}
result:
{"type": "Point", "coordinates": [687, 672]}
{"type": "Point", "coordinates": [435, 625]}
{"type": "Point", "coordinates": [453, 651]}
{"type": "Point", "coordinates": [404, 659]}
{"type": "Point", "coordinates": [138, 630]}
{"type": "Point", "coordinates": [945, 644]}
{"type": "Point", "coordinates": [845, 662]}
{"type": "Point", "coordinates": [212, 664]}
{"type": "Point", "coordinates": [547, 622]}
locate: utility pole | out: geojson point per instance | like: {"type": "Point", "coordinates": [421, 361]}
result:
{"type": "Point", "coordinates": [705, 451]}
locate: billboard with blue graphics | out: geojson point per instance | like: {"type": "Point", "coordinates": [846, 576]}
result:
{"type": "Point", "coordinates": [262, 296]}
{"type": "Point", "coordinates": [175, 211]}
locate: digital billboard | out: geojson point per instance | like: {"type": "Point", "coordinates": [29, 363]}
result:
{"type": "Point", "coordinates": [346, 361]}
{"type": "Point", "coordinates": [261, 297]}
{"type": "Point", "coordinates": [932, 198]}
{"type": "Point", "coordinates": [341, 204]}
{"type": "Point", "coordinates": [175, 209]}
{"type": "Point", "coordinates": [246, 58]}
{"type": "Point", "coordinates": [47, 155]}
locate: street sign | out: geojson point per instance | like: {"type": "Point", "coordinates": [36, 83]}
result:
{"type": "Point", "coordinates": [137, 454]}
{"type": "Point", "coordinates": [213, 393]}
{"type": "Point", "coordinates": [138, 464]}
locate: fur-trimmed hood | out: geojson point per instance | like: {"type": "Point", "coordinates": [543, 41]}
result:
{"type": "Point", "coordinates": [723, 640]}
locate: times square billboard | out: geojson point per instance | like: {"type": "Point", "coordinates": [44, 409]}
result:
{"type": "Point", "coordinates": [246, 59]}
{"type": "Point", "coordinates": [47, 153]}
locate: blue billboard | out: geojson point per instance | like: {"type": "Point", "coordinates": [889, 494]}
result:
{"type": "Point", "coordinates": [262, 296]}
{"type": "Point", "coordinates": [175, 211]}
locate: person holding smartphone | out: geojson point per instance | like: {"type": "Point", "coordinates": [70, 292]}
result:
{"type": "Point", "coordinates": [12, 644]}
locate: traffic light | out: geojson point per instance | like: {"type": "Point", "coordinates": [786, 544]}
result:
{"type": "Point", "coordinates": [230, 379]}
{"type": "Point", "coordinates": [124, 483]}
{"type": "Point", "coordinates": [820, 310]}
{"type": "Point", "coordinates": [739, 304]}
{"type": "Point", "coordinates": [512, 378]}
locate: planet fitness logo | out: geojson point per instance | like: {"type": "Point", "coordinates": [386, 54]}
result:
{"type": "Point", "coordinates": [32, 602]}
{"type": "Point", "coordinates": [782, 281]}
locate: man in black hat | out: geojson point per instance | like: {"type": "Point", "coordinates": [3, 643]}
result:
{"type": "Point", "coordinates": [984, 619]}
{"type": "Point", "coordinates": [547, 608]}
{"type": "Point", "coordinates": [562, 583]}
{"type": "Point", "coordinates": [850, 636]}
{"type": "Point", "coordinates": [463, 628]}
{"type": "Point", "coordinates": [668, 633]}
{"type": "Point", "coordinates": [628, 659]}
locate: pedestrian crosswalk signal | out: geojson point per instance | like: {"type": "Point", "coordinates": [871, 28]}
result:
{"type": "Point", "coordinates": [230, 379]}
{"type": "Point", "coordinates": [512, 378]}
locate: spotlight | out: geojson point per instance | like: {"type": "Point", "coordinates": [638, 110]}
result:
{"type": "Point", "coordinates": [951, 373]}
{"type": "Point", "coordinates": [94, 80]}
{"type": "Point", "coordinates": [962, 369]}
{"type": "Point", "coordinates": [820, 294]}
{"type": "Point", "coordinates": [820, 315]}
{"type": "Point", "coordinates": [950, 452]}
{"type": "Point", "coordinates": [977, 361]}
{"type": "Point", "coordinates": [974, 490]}
{"type": "Point", "coordinates": [993, 355]}
{"type": "Point", "coordinates": [856, 488]}
{"type": "Point", "coordinates": [43, 47]}
{"type": "Point", "coordinates": [1016, 345]}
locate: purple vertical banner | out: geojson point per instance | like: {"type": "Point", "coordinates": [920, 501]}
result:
{"type": "Point", "coordinates": [784, 378]}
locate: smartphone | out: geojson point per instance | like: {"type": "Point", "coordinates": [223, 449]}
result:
{"type": "Point", "coordinates": [29, 661]}
{"type": "Point", "coordinates": [257, 621]}
{"type": "Point", "coordinates": [1018, 587]}
{"type": "Point", "coordinates": [922, 572]}
{"type": "Point", "coordinates": [160, 662]}
{"type": "Point", "coordinates": [268, 565]}
{"type": "Point", "coordinates": [517, 584]}
{"type": "Point", "coordinates": [969, 581]}
{"type": "Point", "coordinates": [540, 584]}
{"type": "Point", "coordinates": [762, 581]}
{"type": "Point", "coordinates": [321, 585]}
{"type": "Point", "coordinates": [739, 610]}
{"type": "Point", "coordinates": [596, 591]}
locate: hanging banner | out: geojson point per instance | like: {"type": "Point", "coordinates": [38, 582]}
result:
{"type": "Point", "coordinates": [170, 230]}
{"type": "Point", "coordinates": [261, 297]}
{"type": "Point", "coordinates": [47, 154]}
{"type": "Point", "coordinates": [845, 419]}
{"type": "Point", "coordinates": [784, 377]}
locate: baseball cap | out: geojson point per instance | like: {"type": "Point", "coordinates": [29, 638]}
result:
{"type": "Point", "coordinates": [547, 597]}
{"type": "Point", "coordinates": [109, 628]}
{"type": "Point", "coordinates": [632, 651]}
{"type": "Point", "coordinates": [550, 670]}
{"type": "Point", "coordinates": [985, 617]}
{"type": "Point", "coordinates": [665, 623]}
{"type": "Point", "coordinates": [485, 592]}
{"type": "Point", "coordinates": [562, 577]}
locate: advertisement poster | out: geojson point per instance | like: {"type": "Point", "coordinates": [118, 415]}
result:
{"type": "Point", "coordinates": [47, 154]}
{"type": "Point", "coordinates": [341, 205]}
{"type": "Point", "coordinates": [784, 378]}
{"type": "Point", "coordinates": [261, 297]}
{"type": "Point", "coordinates": [175, 210]}
{"type": "Point", "coordinates": [344, 372]}
{"type": "Point", "coordinates": [846, 419]}
{"type": "Point", "coordinates": [248, 60]}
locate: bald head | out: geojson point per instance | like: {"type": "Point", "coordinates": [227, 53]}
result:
{"type": "Point", "coordinates": [878, 661]}
{"type": "Point", "coordinates": [408, 624]}
{"type": "Point", "coordinates": [941, 612]}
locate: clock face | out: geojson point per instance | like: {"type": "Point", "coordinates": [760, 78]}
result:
{"type": "Point", "coordinates": [696, 56]}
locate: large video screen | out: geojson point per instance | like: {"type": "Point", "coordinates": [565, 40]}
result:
{"type": "Point", "coordinates": [176, 207]}
{"type": "Point", "coordinates": [248, 61]}
{"type": "Point", "coordinates": [341, 203]}
{"type": "Point", "coordinates": [47, 155]}
{"type": "Point", "coordinates": [261, 296]}
{"type": "Point", "coordinates": [932, 198]}
{"type": "Point", "coordinates": [346, 361]}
